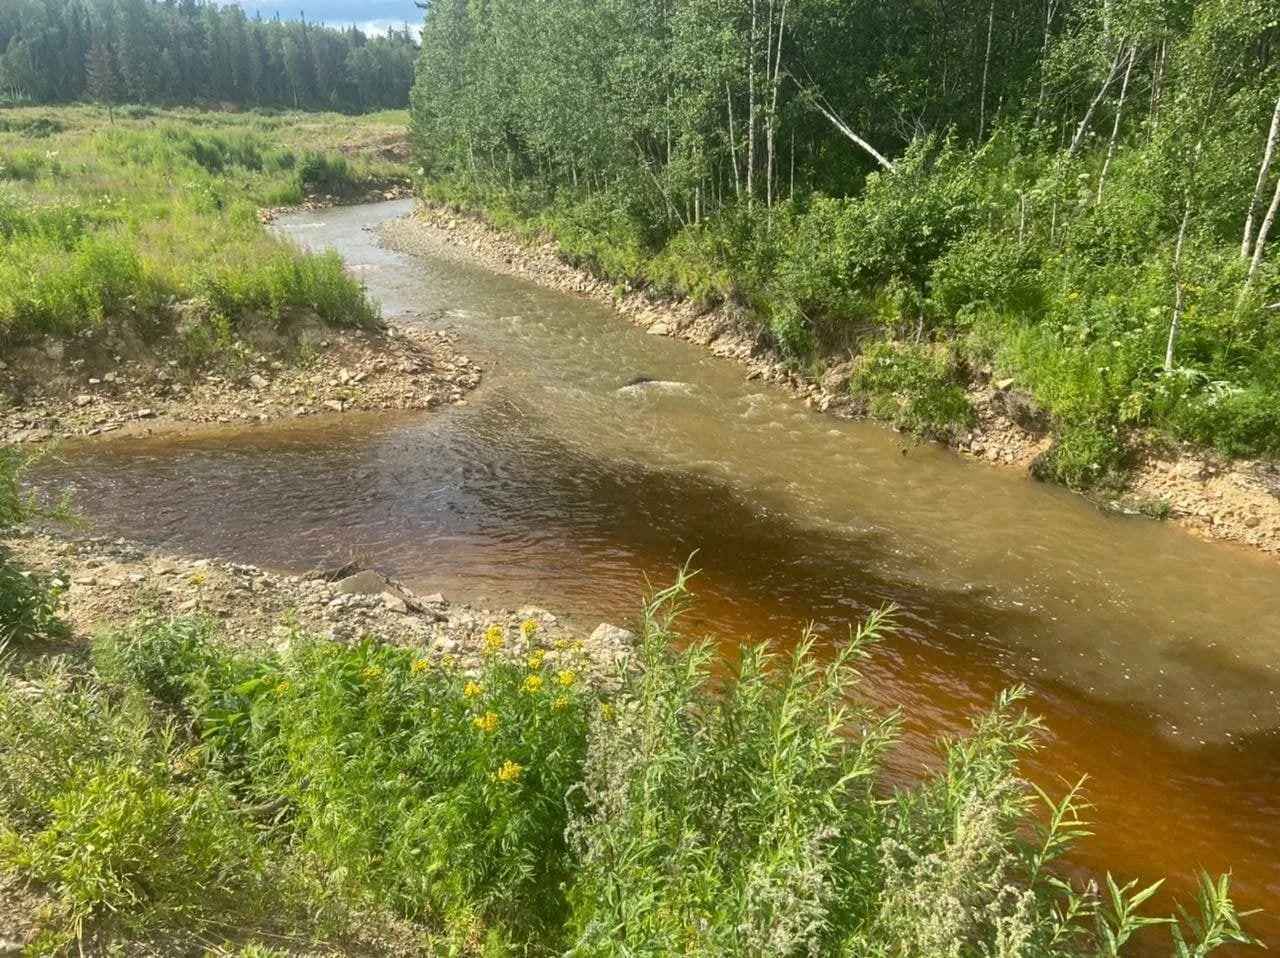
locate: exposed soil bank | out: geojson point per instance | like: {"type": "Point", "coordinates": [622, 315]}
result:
{"type": "Point", "coordinates": [390, 189]}
{"type": "Point", "coordinates": [1237, 501]}
{"type": "Point", "coordinates": [56, 390]}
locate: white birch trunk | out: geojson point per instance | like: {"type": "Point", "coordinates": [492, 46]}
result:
{"type": "Point", "coordinates": [751, 110]}
{"type": "Point", "coordinates": [1176, 323]}
{"type": "Point", "coordinates": [986, 69]}
{"type": "Point", "coordinates": [1083, 129]}
{"type": "Point", "coordinates": [1115, 127]}
{"type": "Point", "coordinates": [776, 82]}
{"type": "Point", "coordinates": [1050, 7]}
{"type": "Point", "coordinates": [1260, 247]}
{"type": "Point", "coordinates": [845, 129]}
{"type": "Point", "coordinates": [1246, 246]}
{"type": "Point", "coordinates": [733, 145]}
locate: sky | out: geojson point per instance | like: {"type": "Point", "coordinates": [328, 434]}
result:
{"type": "Point", "coordinates": [372, 16]}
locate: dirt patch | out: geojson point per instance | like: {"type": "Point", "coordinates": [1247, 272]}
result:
{"type": "Point", "coordinates": [1239, 501]}
{"type": "Point", "coordinates": [47, 393]}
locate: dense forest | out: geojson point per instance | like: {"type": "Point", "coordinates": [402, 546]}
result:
{"type": "Point", "coordinates": [149, 52]}
{"type": "Point", "coordinates": [1077, 193]}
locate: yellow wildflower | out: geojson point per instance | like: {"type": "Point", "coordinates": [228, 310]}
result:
{"type": "Point", "coordinates": [561, 703]}
{"type": "Point", "coordinates": [197, 578]}
{"type": "Point", "coordinates": [449, 661]}
{"type": "Point", "coordinates": [532, 683]}
{"type": "Point", "coordinates": [567, 677]}
{"type": "Point", "coordinates": [487, 722]}
{"type": "Point", "coordinates": [494, 638]}
{"type": "Point", "coordinates": [419, 665]}
{"type": "Point", "coordinates": [528, 628]}
{"type": "Point", "coordinates": [282, 687]}
{"type": "Point", "coordinates": [509, 772]}
{"type": "Point", "coordinates": [606, 711]}
{"type": "Point", "coordinates": [535, 660]}
{"type": "Point", "coordinates": [371, 673]}
{"type": "Point", "coordinates": [472, 689]}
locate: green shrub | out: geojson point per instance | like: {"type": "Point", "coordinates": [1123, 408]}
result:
{"type": "Point", "coordinates": [288, 282]}
{"type": "Point", "coordinates": [743, 814]}
{"type": "Point", "coordinates": [701, 807]}
{"type": "Point", "coordinates": [21, 165]}
{"type": "Point", "coordinates": [1084, 456]}
{"type": "Point", "coordinates": [48, 288]}
{"type": "Point", "coordinates": [28, 607]}
{"type": "Point", "coordinates": [97, 804]}
{"type": "Point", "coordinates": [916, 386]}
{"type": "Point", "coordinates": [1239, 423]}
{"type": "Point", "coordinates": [466, 821]}
{"type": "Point", "coordinates": [322, 173]}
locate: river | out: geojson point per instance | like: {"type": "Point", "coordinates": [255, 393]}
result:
{"type": "Point", "coordinates": [1154, 656]}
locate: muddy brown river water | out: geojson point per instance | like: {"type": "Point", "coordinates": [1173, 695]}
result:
{"type": "Point", "coordinates": [1154, 657]}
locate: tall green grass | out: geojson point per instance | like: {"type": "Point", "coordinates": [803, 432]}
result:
{"type": "Point", "coordinates": [28, 607]}
{"type": "Point", "coordinates": [105, 223]}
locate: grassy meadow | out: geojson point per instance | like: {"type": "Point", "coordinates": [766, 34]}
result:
{"type": "Point", "coordinates": [117, 220]}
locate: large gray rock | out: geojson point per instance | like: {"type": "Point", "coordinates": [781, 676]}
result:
{"type": "Point", "coordinates": [608, 636]}
{"type": "Point", "coordinates": [367, 582]}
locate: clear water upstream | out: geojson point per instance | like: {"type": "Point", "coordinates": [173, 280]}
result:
{"type": "Point", "coordinates": [1155, 657]}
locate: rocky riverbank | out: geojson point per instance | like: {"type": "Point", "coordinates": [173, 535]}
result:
{"type": "Point", "coordinates": [48, 394]}
{"type": "Point", "coordinates": [106, 583]}
{"type": "Point", "coordinates": [1238, 502]}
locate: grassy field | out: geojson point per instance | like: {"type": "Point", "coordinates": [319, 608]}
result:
{"type": "Point", "coordinates": [116, 222]}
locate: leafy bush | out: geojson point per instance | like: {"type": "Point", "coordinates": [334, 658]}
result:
{"type": "Point", "coordinates": [288, 282]}
{"type": "Point", "coordinates": [97, 805]}
{"type": "Point", "coordinates": [1243, 422]}
{"type": "Point", "coordinates": [322, 173]}
{"type": "Point", "coordinates": [1084, 456]}
{"type": "Point", "coordinates": [466, 824]}
{"type": "Point", "coordinates": [21, 165]}
{"type": "Point", "coordinates": [916, 386]}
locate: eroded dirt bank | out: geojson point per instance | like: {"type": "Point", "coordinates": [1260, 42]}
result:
{"type": "Point", "coordinates": [53, 391]}
{"type": "Point", "coordinates": [1238, 501]}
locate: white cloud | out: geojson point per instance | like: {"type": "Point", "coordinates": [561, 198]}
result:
{"type": "Point", "coordinates": [380, 28]}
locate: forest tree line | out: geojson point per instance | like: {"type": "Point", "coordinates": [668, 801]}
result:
{"type": "Point", "coordinates": [151, 52]}
{"type": "Point", "coordinates": [1082, 192]}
